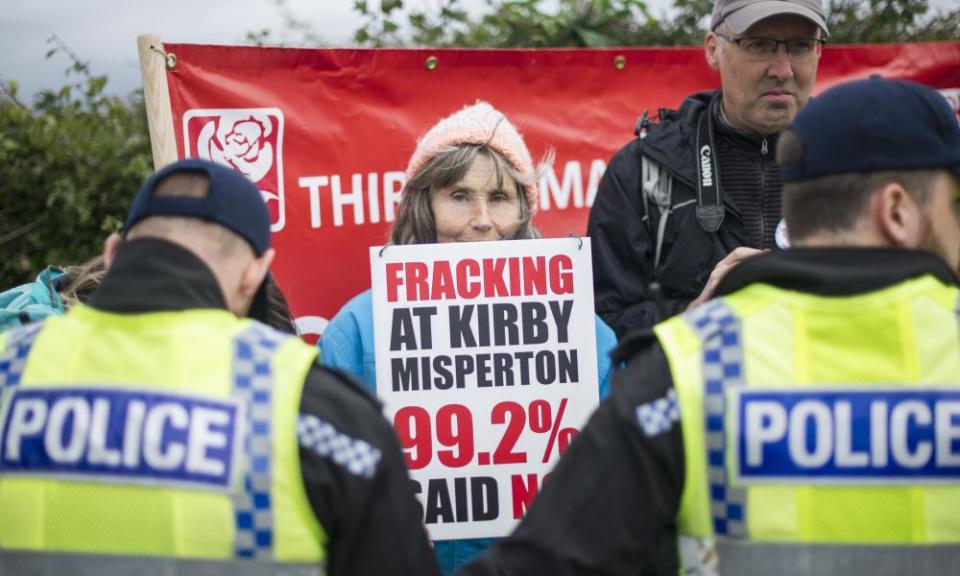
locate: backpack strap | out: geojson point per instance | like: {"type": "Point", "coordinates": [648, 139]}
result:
{"type": "Point", "coordinates": [657, 186]}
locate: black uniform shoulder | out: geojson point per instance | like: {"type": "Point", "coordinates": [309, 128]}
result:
{"type": "Point", "coordinates": [337, 398]}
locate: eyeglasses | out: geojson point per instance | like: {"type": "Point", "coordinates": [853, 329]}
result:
{"type": "Point", "coordinates": [759, 49]}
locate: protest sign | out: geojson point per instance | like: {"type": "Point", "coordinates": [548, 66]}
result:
{"type": "Point", "coordinates": [486, 362]}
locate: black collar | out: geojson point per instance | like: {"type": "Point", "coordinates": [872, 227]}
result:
{"type": "Point", "coordinates": [836, 271]}
{"type": "Point", "coordinates": [153, 275]}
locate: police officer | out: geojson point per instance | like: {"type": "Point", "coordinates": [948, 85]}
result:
{"type": "Point", "coordinates": [809, 419]}
{"type": "Point", "coordinates": [154, 430]}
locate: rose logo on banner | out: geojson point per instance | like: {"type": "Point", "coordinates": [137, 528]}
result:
{"type": "Point", "coordinates": [249, 140]}
{"type": "Point", "coordinates": [244, 147]}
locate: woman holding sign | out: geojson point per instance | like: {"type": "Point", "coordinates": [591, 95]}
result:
{"type": "Point", "coordinates": [470, 179]}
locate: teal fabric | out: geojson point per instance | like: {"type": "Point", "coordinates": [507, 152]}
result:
{"type": "Point", "coordinates": [32, 301]}
{"type": "Point", "coordinates": [347, 343]}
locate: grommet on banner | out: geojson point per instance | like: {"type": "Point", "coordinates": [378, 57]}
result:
{"type": "Point", "coordinates": [579, 239]}
{"type": "Point", "coordinates": [620, 62]}
{"type": "Point", "coordinates": [431, 63]}
{"type": "Point", "coordinates": [169, 57]}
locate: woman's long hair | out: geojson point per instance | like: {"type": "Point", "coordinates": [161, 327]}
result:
{"type": "Point", "coordinates": [416, 223]}
{"type": "Point", "coordinates": [80, 281]}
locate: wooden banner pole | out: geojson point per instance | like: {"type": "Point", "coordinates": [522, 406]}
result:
{"type": "Point", "coordinates": [153, 68]}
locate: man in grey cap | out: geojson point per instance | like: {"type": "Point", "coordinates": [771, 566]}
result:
{"type": "Point", "coordinates": [699, 191]}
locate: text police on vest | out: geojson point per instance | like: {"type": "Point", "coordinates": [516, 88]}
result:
{"type": "Point", "coordinates": [844, 434]}
{"type": "Point", "coordinates": [119, 434]}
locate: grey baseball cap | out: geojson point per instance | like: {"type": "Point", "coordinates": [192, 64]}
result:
{"type": "Point", "coordinates": [742, 14]}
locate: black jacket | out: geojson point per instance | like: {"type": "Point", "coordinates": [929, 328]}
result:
{"type": "Point", "coordinates": [373, 524]}
{"type": "Point", "coordinates": [624, 241]}
{"type": "Point", "coordinates": [611, 504]}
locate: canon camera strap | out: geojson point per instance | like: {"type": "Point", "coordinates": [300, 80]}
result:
{"type": "Point", "coordinates": [709, 206]}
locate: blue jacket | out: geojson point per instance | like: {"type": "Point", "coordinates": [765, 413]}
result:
{"type": "Point", "coordinates": [347, 343]}
{"type": "Point", "coordinates": [32, 301]}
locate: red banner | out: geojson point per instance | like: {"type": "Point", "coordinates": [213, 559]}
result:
{"type": "Point", "coordinates": [326, 134]}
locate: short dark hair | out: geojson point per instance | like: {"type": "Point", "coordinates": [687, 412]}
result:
{"type": "Point", "coordinates": [835, 202]}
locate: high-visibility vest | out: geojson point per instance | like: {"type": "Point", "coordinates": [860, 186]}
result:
{"type": "Point", "coordinates": [168, 436]}
{"type": "Point", "coordinates": [822, 434]}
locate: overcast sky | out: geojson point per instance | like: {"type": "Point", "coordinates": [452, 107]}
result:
{"type": "Point", "coordinates": [104, 32]}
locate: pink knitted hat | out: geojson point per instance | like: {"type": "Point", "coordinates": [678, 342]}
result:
{"type": "Point", "coordinates": [478, 124]}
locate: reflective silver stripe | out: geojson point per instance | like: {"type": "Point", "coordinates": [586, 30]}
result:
{"type": "Point", "coordinates": [253, 383]}
{"type": "Point", "coordinates": [744, 558]}
{"type": "Point", "coordinates": [24, 563]}
{"type": "Point", "coordinates": [13, 358]}
{"type": "Point", "coordinates": [718, 327]}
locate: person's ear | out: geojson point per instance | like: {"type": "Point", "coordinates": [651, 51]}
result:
{"type": "Point", "coordinates": [898, 216]}
{"type": "Point", "coordinates": [110, 248]}
{"type": "Point", "coordinates": [254, 274]}
{"type": "Point", "coordinates": [711, 49]}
